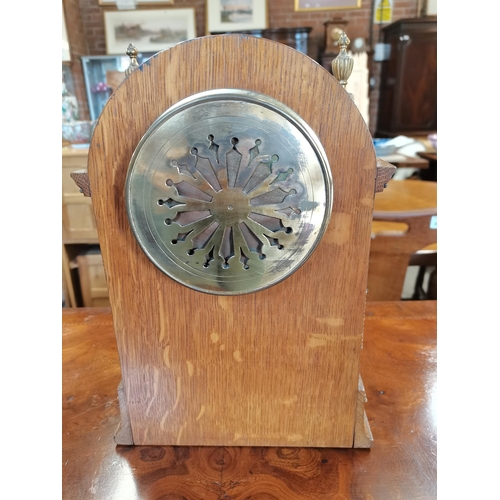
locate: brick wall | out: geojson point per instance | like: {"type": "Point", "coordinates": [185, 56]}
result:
{"type": "Point", "coordinates": [85, 24]}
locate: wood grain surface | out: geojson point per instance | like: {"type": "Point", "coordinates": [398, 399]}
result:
{"type": "Point", "coordinates": [398, 366]}
{"type": "Point", "coordinates": [237, 370]}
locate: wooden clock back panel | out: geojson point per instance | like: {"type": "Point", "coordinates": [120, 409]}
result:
{"type": "Point", "coordinates": [279, 367]}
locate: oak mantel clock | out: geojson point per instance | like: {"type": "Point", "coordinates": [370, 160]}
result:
{"type": "Point", "coordinates": [233, 180]}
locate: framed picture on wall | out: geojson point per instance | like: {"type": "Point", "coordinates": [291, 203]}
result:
{"type": "Point", "coordinates": [148, 30]}
{"type": "Point", "coordinates": [236, 15]}
{"type": "Point", "coordinates": [326, 4]}
{"type": "Point", "coordinates": [138, 2]}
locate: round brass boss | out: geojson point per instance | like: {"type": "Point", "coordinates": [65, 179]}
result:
{"type": "Point", "coordinates": [229, 192]}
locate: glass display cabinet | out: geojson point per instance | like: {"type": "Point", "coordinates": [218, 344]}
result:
{"type": "Point", "coordinates": [102, 76]}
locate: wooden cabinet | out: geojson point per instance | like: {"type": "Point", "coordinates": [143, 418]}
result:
{"type": "Point", "coordinates": [408, 84]}
{"type": "Point", "coordinates": [83, 273]}
{"type": "Point", "coordinates": [92, 278]}
{"type": "Point", "coordinates": [78, 223]}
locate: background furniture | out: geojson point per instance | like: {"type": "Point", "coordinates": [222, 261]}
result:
{"type": "Point", "coordinates": [400, 387]}
{"type": "Point", "coordinates": [425, 259]}
{"type": "Point", "coordinates": [408, 82]}
{"type": "Point", "coordinates": [403, 223]}
{"type": "Point", "coordinates": [78, 222]}
{"type": "Point", "coordinates": [403, 161]}
{"type": "Point", "coordinates": [79, 231]}
{"type": "Point", "coordinates": [92, 278]}
{"type": "Point", "coordinates": [431, 173]}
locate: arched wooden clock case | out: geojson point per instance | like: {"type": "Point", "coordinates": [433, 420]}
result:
{"type": "Point", "coordinates": [232, 181]}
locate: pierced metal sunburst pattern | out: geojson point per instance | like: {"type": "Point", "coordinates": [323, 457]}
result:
{"type": "Point", "coordinates": [229, 192]}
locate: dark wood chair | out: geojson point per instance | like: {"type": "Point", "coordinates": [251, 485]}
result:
{"type": "Point", "coordinates": [425, 259]}
{"type": "Point", "coordinates": [399, 240]}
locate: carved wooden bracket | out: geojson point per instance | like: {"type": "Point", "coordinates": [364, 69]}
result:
{"type": "Point", "coordinates": [123, 434]}
{"type": "Point", "coordinates": [363, 437]}
{"type": "Point", "coordinates": [81, 179]}
{"type": "Point", "coordinates": [385, 172]}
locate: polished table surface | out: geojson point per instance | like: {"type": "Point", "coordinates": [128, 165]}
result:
{"type": "Point", "coordinates": [402, 198]}
{"type": "Point", "coordinates": [406, 196]}
{"type": "Point", "coordinates": [398, 366]}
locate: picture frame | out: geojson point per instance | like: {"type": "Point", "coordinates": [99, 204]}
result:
{"type": "Point", "coordinates": [150, 30]}
{"type": "Point", "coordinates": [225, 16]}
{"type": "Point", "coordinates": [304, 5]}
{"type": "Point", "coordinates": [109, 3]}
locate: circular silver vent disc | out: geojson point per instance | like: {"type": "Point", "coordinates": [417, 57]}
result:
{"type": "Point", "coordinates": [229, 192]}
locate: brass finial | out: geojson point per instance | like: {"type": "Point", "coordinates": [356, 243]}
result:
{"type": "Point", "coordinates": [132, 53]}
{"type": "Point", "coordinates": [342, 65]}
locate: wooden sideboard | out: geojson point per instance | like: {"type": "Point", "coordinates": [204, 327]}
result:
{"type": "Point", "coordinates": [77, 214]}
{"type": "Point", "coordinates": [83, 273]}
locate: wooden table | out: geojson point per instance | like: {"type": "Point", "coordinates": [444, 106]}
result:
{"type": "Point", "coordinates": [403, 211]}
{"type": "Point", "coordinates": [398, 366]}
{"type": "Point", "coordinates": [406, 196]}
{"type": "Point", "coordinates": [402, 197]}
{"type": "Point", "coordinates": [403, 161]}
